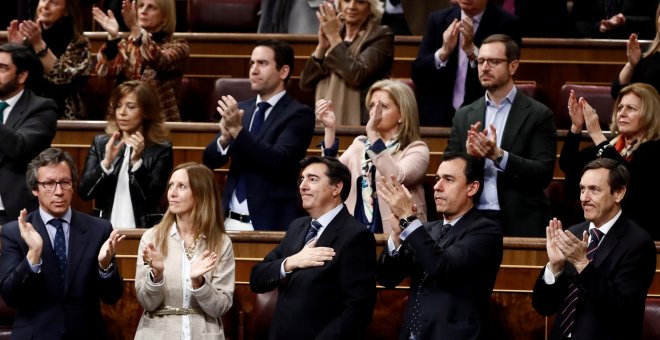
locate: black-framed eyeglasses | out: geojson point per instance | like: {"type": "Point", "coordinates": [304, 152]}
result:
{"type": "Point", "coordinates": [492, 62]}
{"type": "Point", "coordinates": [51, 185]}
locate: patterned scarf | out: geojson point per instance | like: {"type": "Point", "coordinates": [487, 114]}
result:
{"type": "Point", "coordinates": [368, 171]}
{"type": "Point", "coordinates": [619, 144]}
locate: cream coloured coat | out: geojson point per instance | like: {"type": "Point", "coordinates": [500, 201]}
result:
{"type": "Point", "coordinates": [214, 297]}
{"type": "Point", "coordinates": [408, 165]}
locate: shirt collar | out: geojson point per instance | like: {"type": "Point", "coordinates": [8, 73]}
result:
{"type": "Point", "coordinates": [326, 218]}
{"type": "Point", "coordinates": [46, 217]}
{"type": "Point", "coordinates": [13, 100]}
{"type": "Point", "coordinates": [476, 18]}
{"type": "Point", "coordinates": [605, 228]}
{"type": "Point", "coordinates": [508, 99]}
{"type": "Point", "coordinates": [273, 99]}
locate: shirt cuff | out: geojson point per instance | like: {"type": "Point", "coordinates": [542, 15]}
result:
{"type": "Point", "coordinates": [548, 277]}
{"type": "Point", "coordinates": [391, 249]}
{"type": "Point", "coordinates": [502, 165]}
{"type": "Point", "coordinates": [108, 171]}
{"type": "Point", "coordinates": [438, 62]}
{"type": "Point", "coordinates": [221, 150]}
{"type": "Point", "coordinates": [331, 151]}
{"type": "Point", "coordinates": [35, 268]}
{"type": "Point", "coordinates": [137, 165]}
{"type": "Point", "coordinates": [282, 272]}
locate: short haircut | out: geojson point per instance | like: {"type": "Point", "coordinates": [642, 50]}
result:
{"type": "Point", "coordinates": [50, 156]}
{"type": "Point", "coordinates": [376, 8]}
{"type": "Point", "coordinates": [283, 54]}
{"type": "Point", "coordinates": [618, 177]}
{"type": "Point", "coordinates": [511, 47]}
{"type": "Point", "coordinates": [403, 97]}
{"type": "Point", "coordinates": [25, 60]}
{"type": "Point", "coordinates": [336, 172]}
{"type": "Point", "coordinates": [474, 169]}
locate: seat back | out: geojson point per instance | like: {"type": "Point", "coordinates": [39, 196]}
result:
{"type": "Point", "coordinates": [598, 96]}
{"type": "Point", "coordinates": [527, 87]}
{"type": "Point", "coordinates": [195, 103]}
{"type": "Point", "coordinates": [258, 321]}
{"type": "Point", "coordinates": [230, 16]}
{"type": "Point", "coordinates": [651, 329]}
{"type": "Point", "coordinates": [6, 320]}
{"type": "Point", "coordinates": [239, 88]}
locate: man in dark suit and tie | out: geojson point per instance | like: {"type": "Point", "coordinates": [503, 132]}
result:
{"type": "Point", "coordinates": [518, 143]}
{"type": "Point", "coordinates": [265, 138]}
{"type": "Point", "coordinates": [600, 270]}
{"type": "Point", "coordinates": [452, 263]}
{"type": "Point", "coordinates": [445, 72]}
{"type": "Point", "coordinates": [57, 263]}
{"type": "Point", "coordinates": [324, 268]}
{"type": "Point", "coordinates": [27, 126]}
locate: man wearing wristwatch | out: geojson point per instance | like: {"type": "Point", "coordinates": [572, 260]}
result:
{"type": "Point", "coordinates": [452, 263]}
{"type": "Point", "coordinates": [517, 138]}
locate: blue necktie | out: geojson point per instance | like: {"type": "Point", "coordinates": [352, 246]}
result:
{"type": "Point", "coordinates": [59, 246]}
{"type": "Point", "coordinates": [416, 319]}
{"type": "Point", "coordinates": [257, 122]}
{"type": "Point", "coordinates": [313, 231]}
{"type": "Point", "coordinates": [3, 106]}
{"type": "Point", "coordinates": [567, 314]}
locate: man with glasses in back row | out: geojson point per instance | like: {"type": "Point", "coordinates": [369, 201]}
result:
{"type": "Point", "coordinates": [515, 135]}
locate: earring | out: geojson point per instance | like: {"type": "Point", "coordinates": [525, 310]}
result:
{"type": "Point", "coordinates": [400, 121]}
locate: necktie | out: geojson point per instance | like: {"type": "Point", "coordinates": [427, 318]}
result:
{"type": "Point", "coordinates": [59, 246]}
{"type": "Point", "coordinates": [395, 2]}
{"type": "Point", "coordinates": [313, 231]}
{"type": "Point", "coordinates": [567, 316]}
{"type": "Point", "coordinates": [416, 319]}
{"type": "Point", "coordinates": [257, 122]}
{"type": "Point", "coordinates": [461, 74]}
{"type": "Point", "coordinates": [3, 106]}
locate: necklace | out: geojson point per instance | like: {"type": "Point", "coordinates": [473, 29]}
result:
{"type": "Point", "coordinates": [190, 249]}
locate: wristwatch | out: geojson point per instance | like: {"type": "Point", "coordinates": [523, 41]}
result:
{"type": "Point", "coordinates": [405, 222]}
{"type": "Point", "coordinates": [500, 157]}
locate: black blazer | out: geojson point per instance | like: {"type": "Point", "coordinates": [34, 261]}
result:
{"type": "Point", "coordinates": [146, 185]}
{"type": "Point", "coordinates": [29, 130]}
{"type": "Point", "coordinates": [612, 288]}
{"type": "Point", "coordinates": [530, 137]}
{"type": "Point", "coordinates": [334, 301]}
{"type": "Point", "coordinates": [48, 308]}
{"type": "Point", "coordinates": [435, 87]}
{"type": "Point", "coordinates": [461, 275]}
{"type": "Point", "coordinates": [269, 161]}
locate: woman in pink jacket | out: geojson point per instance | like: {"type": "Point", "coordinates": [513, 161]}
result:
{"type": "Point", "coordinates": [392, 147]}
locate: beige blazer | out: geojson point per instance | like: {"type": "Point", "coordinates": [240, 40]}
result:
{"type": "Point", "coordinates": [214, 297]}
{"type": "Point", "coordinates": [408, 165]}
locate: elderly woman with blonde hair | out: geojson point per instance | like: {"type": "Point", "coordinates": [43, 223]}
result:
{"type": "Point", "coordinates": [635, 130]}
{"type": "Point", "coordinates": [392, 147]}
{"type": "Point", "coordinates": [353, 52]}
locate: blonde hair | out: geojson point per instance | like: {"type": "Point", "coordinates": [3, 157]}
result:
{"type": "Point", "coordinates": [404, 98]}
{"type": "Point", "coordinates": [655, 44]}
{"type": "Point", "coordinates": [207, 213]}
{"type": "Point", "coordinates": [649, 110]}
{"type": "Point", "coordinates": [376, 7]}
{"type": "Point", "coordinates": [168, 9]}
{"type": "Point", "coordinates": [153, 124]}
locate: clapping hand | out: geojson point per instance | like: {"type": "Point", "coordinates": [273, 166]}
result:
{"type": "Point", "coordinates": [109, 248]}
{"type": "Point", "coordinates": [555, 256]}
{"type": "Point", "coordinates": [154, 259]}
{"type": "Point", "coordinates": [231, 115]}
{"type": "Point", "coordinates": [31, 237]}
{"type": "Point", "coordinates": [200, 266]}
{"type": "Point", "coordinates": [112, 148]}
{"type": "Point", "coordinates": [107, 21]}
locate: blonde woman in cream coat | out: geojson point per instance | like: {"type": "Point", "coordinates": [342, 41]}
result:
{"type": "Point", "coordinates": [392, 147]}
{"type": "Point", "coordinates": [185, 270]}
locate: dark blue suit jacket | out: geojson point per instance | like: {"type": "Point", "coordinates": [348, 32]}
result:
{"type": "Point", "coordinates": [29, 130]}
{"type": "Point", "coordinates": [48, 308]}
{"type": "Point", "coordinates": [269, 161]}
{"type": "Point", "coordinates": [612, 288]}
{"type": "Point", "coordinates": [461, 272]}
{"type": "Point", "coordinates": [435, 87]}
{"type": "Point", "coordinates": [334, 301]}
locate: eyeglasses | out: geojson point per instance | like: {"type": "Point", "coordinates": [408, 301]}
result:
{"type": "Point", "coordinates": [492, 62]}
{"type": "Point", "coordinates": [51, 185]}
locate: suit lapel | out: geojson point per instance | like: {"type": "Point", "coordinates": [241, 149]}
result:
{"type": "Point", "coordinates": [49, 265]}
{"type": "Point", "coordinates": [77, 246]}
{"type": "Point", "coordinates": [331, 231]}
{"type": "Point", "coordinates": [299, 238]}
{"type": "Point", "coordinates": [477, 114]}
{"type": "Point", "coordinates": [611, 240]}
{"type": "Point", "coordinates": [517, 115]}
{"type": "Point", "coordinates": [18, 112]}
{"type": "Point", "coordinates": [248, 112]}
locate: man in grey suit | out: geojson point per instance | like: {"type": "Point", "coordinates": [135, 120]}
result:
{"type": "Point", "coordinates": [516, 135]}
{"type": "Point", "coordinates": [27, 126]}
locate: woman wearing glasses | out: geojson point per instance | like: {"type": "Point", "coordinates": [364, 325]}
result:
{"type": "Point", "coordinates": [184, 276]}
{"type": "Point", "coordinates": [127, 167]}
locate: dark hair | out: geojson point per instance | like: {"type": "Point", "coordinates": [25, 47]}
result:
{"type": "Point", "coordinates": [25, 61]}
{"type": "Point", "coordinates": [474, 169]}
{"type": "Point", "coordinates": [283, 54]}
{"type": "Point", "coordinates": [153, 125]}
{"type": "Point", "coordinates": [50, 156]}
{"type": "Point", "coordinates": [337, 172]}
{"type": "Point", "coordinates": [510, 45]}
{"type": "Point", "coordinates": [618, 176]}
